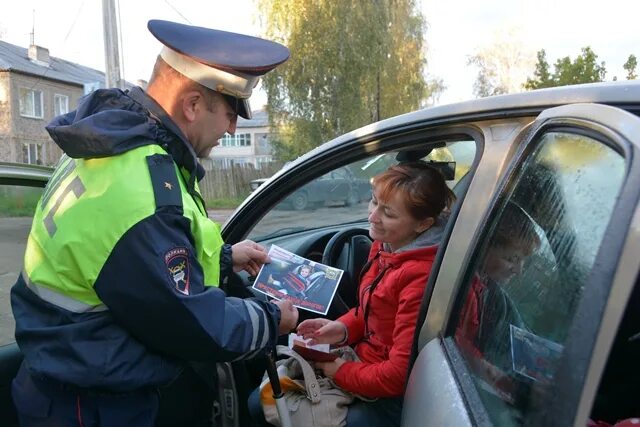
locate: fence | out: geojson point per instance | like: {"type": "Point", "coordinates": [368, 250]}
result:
{"type": "Point", "coordinates": [233, 183]}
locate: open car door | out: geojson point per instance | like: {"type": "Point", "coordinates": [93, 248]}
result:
{"type": "Point", "coordinates": [530, 347]}
{"type": "Point", "coordinates": [20, 188]}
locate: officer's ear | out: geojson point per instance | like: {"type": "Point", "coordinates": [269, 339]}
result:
{"type": "Point", "coordinates": [191, 105]}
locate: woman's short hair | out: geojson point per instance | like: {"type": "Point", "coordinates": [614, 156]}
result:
{"type": "Point", "coordinates": [423, 187]}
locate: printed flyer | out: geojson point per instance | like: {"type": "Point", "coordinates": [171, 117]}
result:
{"type": "Point", "coordinates": [533, 356]}
{"type": "Point", "coordinates": [307, 284]}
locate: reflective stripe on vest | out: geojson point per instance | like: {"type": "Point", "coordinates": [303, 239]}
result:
{"type": "Point", "coordinates": [86, 209]}
{"type": "Point", "coordinates": [60, 300]}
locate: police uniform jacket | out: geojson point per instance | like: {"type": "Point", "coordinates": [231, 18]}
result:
{"type": "Point", "coordinates": [122, 264]}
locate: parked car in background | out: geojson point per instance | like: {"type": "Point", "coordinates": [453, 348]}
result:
{"type": "Point", "coordinates": [550, 338]}
{"type": "Point", "coordinates": [338, 187]}
{"type": "Point", "coordinates": [255, 183]}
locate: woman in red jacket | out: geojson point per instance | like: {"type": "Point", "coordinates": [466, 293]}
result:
{"type": "Point", "coordinates": [406, 222]}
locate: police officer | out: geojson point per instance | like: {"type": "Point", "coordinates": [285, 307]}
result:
{"type": "Point", "coordinates": [119, 288]}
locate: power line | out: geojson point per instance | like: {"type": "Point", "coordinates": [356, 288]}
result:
{"type": "Point", "coordinates": [73, 24]}
{"type": "Point", "coordinates": [177, 11]}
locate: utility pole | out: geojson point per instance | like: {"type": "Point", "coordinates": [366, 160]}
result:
{"type": "Point", "coordinates": [111, 51]}
{"type": "Point", "coordinates": [33, 28]}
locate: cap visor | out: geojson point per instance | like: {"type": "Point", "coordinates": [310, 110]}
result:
{"type": "Point", "coordinates": [244, 109]}
{"type": "Point", "coordinates": [240, 106]}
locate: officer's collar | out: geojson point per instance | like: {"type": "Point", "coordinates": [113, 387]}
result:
{"type": "Point", "coordinates": [178, 146]}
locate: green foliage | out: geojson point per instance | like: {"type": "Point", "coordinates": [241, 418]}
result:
{"type": "Point", "coordinates": [18, 201]}
{"type": "Point", "coordinates": [487, 82]}
{"type": "Point", "coordinates": [351, 63]}
{"type": "Point", "coordinates": [630, 67]}
{"type": "Point", "coordinates": [584, 69]}
{"type": "Point", "coordinates": [542, 78]}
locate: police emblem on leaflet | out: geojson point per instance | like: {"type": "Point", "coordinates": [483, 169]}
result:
{"type": "Point", "coordinates": [177, 261]}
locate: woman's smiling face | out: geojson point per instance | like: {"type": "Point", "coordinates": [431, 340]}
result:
{"type": "Point", "coordinates": [391, 222]}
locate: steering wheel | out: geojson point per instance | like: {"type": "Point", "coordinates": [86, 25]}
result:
{"type": "Point", "coordinates": [347, 250]}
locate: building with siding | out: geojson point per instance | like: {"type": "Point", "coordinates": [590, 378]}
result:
{"type": "Point", "coordinates": [249, 146]}
{"type": "Point", "coordinates": [34, 88]}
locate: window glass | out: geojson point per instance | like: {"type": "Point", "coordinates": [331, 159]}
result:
{"type": "Point", "coordinates": [33, 154]}
{"type": "Point", "coordinates": [341, 196]}
{"type": "Point", "coordinates": [30, 103]}
{"type": "Point", "coordinates": [17, 205]}
{"type": "Point", "coordinates": [531, 268]}
{"type": "Point", "coordinates": [61, 104]}
{"type": "Point", "coordinates": [237, 140]}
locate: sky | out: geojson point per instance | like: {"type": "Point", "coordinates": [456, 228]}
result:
{"type": "Point", "coordinates": [455, 30]}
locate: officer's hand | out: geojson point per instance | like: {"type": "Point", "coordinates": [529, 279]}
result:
{"type": "Point", "coordinates": [248, 255]}
{"type": "Point", "coordinates": [288, 316]}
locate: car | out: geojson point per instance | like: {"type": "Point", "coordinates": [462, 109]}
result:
{"type": "Point", "coordinates": [255, 183]}
{"type": "Point", "coordinates": [340, 186]}
{"type": "Point", "coordinates": [566, 158]}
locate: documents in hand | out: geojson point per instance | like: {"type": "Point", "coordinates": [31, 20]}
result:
{"type": "Point", "coordinates": [307, 284]}
{"type": "Point", "coordinates": [316, 353]}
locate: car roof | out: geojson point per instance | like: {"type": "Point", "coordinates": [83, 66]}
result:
{"type": "Point", "coordinates": [529, 103]}
{"type": "Point", "coordinates": [22, 173]}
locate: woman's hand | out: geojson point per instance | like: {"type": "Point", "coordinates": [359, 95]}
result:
{"type": "Point", "coordinates": [322, 331]}
{"type": "Point", "coordinates": [329, 369]}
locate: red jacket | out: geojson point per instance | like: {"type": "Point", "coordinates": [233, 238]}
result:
{"type": "Point", "coordinates": [393, 313]}
{"type": "Point", "coordinates": [469, 324]}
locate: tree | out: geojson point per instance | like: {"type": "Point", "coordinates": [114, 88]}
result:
{"type": "Point", "coordinates": [435, 87]}
{"type": "Point", "coordinates": [486, 83]}
{"type": "Point", "coordinates": [584, 69]}
{"type": "Point", "coordinates": [502, 65]}
{"type": "Point", "coordinates": [630, 67]}
{"type": "Point", "coordinates": [542, 77]}
{"type": "Point", "coordinates": [351, 63]}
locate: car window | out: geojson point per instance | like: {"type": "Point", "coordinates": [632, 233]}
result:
{"type": "Point", "coordinates": [530, 269]}
{"type": "Point", "coordinates": [341, 196]}
{"type": "Point", "coordinates": [17, 205]}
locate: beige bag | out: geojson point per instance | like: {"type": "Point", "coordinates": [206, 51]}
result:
{"type": "Point", "coordinates": [312, 400]}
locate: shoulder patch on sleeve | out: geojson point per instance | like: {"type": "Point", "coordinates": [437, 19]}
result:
{"type": "Point", "coordinates": [166, 188]}
{"type": "Point", "coordinates": [177, 262]}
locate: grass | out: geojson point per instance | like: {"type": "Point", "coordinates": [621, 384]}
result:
{"type": "Point", "coordinates": [223, 203]}
{"type": "Point", "coordinates": [18, 201]}
{"type": "Point", "coordinates": [22, 201]}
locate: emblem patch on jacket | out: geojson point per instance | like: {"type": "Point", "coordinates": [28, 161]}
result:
{"type": "Point", "coordinates": [177, 261]}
